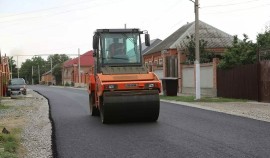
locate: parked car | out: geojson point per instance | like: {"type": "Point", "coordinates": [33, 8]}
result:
{"type": "Point", "coordinates": [16, 86]}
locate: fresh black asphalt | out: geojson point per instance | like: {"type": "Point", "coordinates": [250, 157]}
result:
{"type": "Point", "coordinates": [180, 131]}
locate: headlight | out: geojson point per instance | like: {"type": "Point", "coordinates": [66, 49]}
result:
{"type": "Point", "coordinates": [150, 85]}
{"type": "Point", "coordinates": [111, 86]}
{"type": "Point", "coordinates": [9, 89]}
{"type": "Point", "coordinates": [21, 89]}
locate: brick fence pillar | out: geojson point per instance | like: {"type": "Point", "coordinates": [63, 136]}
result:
{"type": "Point", "coordinates": [179, 71]}
{"type": "Point", "coordinates": [215, 63]}
{"type": "Point", "coordinates": [164, 64]}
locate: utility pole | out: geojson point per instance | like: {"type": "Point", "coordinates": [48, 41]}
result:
{"type": "Point", "coordinates": [197, 51]}
{"type": "Point", "coordinates": [11, 69]}
{"type": "Point", "coordinates": [18, 67]}
{"type": "Point", "coordinates": [38, 74]}
{"type": "Point", "coordinates": [79, 67]}
{"type": "Point", "coordinates": [32, 76]}
{"type": "Point", "coordinates": [51, 70]}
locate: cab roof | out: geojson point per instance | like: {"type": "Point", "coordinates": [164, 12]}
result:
{"type": "Point", "coordinates": [135, 30]}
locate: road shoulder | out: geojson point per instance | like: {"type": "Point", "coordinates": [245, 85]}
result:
{"type": "Point", "coordinates": [253, 110]}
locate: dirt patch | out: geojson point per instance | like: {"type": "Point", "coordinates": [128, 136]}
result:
{"type": "Point", "coordinates": [13, 120]}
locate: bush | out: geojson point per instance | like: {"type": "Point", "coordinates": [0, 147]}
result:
{"type": "Point", "coordinates": [67, 84]}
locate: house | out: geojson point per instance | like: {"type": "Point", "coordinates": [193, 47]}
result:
{"type": "Point", "coordinates": [165, 58]}
{"type": "Point", "coordinates": [70, 72]}
{"type": "Point", "coordinates": [48, 78]}
{"type": "Point", "coordinates": [5, 74]}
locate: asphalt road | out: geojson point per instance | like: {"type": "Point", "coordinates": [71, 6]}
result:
{"type": "Point", "coordinates": [179, 132]}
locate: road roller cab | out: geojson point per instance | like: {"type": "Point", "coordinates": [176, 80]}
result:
{"type": "Point", "coordinates": [121, 88]}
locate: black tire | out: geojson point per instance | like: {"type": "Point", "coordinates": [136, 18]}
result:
{"type": "Point", "coordinates": [93, 109]}
{"type": "Point", "coordinates": [103, 116]}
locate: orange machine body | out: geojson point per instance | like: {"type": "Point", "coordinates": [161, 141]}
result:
{"type": "Point", "coordinates": [122, 82]}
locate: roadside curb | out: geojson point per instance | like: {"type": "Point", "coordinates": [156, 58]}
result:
{"type": "Point", "coordinates": [189, 104]}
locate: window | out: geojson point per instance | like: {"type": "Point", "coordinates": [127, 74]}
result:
{"type": "Point", "coordinates": [17, 81]}
{"type": "Point", "coordinates": [146, 63]}
{"type": "Point", "coordinates": [160, 61]}
{"type": "Point", "coordinates": [120, 48]}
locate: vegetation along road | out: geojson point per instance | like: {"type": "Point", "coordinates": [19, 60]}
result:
{"type": "Point", "coordinates": [180, 131]}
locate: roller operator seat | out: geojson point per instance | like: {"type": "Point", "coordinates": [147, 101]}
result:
{"type": "Point", "coordinates": [117, 53]}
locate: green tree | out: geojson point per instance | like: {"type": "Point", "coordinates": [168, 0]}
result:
{"type": "Point", "coordinates": [263, 41]}
{"type": "Point", "coordinates": [26, 71]}
{"type": "Point", "coordinates": [39, 68]}
{"type": "Point", "coordinates": [189, 50]}
{"type": "Point", "coordinates": [38, 64]}
{"type": "Point", "coordinates": [57, 60]}
{"type": "Point", "coordinates": [57, 72]}
{"type": "Point", "coordinates": [240, 53]}
{"type": "Point", "coordinates": [12, 67]}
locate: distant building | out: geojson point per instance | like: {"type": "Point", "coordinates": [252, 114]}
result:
{"type": "Point", "coordinates": [47, 78]}
{"type": "Point", "coordinates": [70, 71]}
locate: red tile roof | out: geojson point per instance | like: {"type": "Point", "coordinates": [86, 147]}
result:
{"type": "Point", "coordinates": [86, 59]}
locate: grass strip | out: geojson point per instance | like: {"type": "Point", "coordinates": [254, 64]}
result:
{"type": "Point", "coordinates": [3, 107]}
{"type": "Point", "coordinates": [9, 144]}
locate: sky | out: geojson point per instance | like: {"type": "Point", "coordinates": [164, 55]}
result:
{"type": "Point", "coordinates": [42, 27]}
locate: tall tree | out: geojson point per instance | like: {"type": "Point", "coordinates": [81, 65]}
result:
{"type": "Point", "coordinates": [38, 64]}
{"type": "Point", "coordinates": [26, 71]}
{"type": "Point", "coordinates": [39, 67]}
{"type": "Point", "coordinates": [57, 60]}
{"type": "Point", "coordinates": [263, 40]}
{"type": "Point", "coordinates": [57, 72]}
{"type": "Point", "coordinates": [189, 50]}
{"type": "Point", "coordinates": [12, 67]}
{"type": "Point", "coordinates": [240, 53]}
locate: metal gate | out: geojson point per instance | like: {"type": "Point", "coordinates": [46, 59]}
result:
{"type": "Point", "coordinates": [264, 81]}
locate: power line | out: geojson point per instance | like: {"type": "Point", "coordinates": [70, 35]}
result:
{"type": "Point", "coordinates": [51, 13]}
{"type": "Point", "coordinates": [238, 10]}
{"type": "Point", "coordinates": [42, 10]}
{"type": "Point", "coordinates": [230, 4]}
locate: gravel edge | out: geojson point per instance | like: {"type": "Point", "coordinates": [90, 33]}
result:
{"type": "Point", "coordinates": [37, 133]}
{"type": "Point", "coordinates": [32, 111]}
